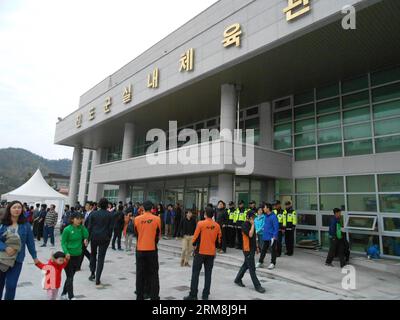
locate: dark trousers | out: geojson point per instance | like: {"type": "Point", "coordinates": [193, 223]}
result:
{"type": "Point", "coordinates": [117, 237]}
{"type": "Point", "coordinates": [9, 279]}
{"type": "Point", "coordinates": [198, 261]}
{"type": "Point", "coordinates": [337, 247]}
{"type": "Point", "coordinates": [35, 228]}
{"type": "Point", "coordinates": [267, 244]}
{"type": "Point", "coordinates": [289, 241]}
{"type": "Point", "coordinates": [223, 244]}
{"type": "Point", "coordinates": [70, 270]}
{"type": "Point", "coordinates": [40, 228]}
{"type": "Point", "coordinates": [85, 253]}
{"type": "Point", "coordinates": [177, 222]}
{"type": "Point", "coordinates": [249, 264]}
{"type": "Point", "coordinates": [279, 243]}
{"type": "Point", "coordinates": [97, 263]}
{"type": "Point", "coordinates": [239, 237]}
{"type": "Point", "coordinates": [48, 232]}
{"type": "Point", "coordinates": [231, 236]}
{"type": "Point", "coordinates": [147, 280]}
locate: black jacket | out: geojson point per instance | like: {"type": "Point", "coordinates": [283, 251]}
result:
{"type": "Point", "coordinates": [222, 216]}
{"type": "Point", "coordinates": [187, 227]}
{"type": "Point", "coordinates": [100, 225]}
{"type": "Point", "coordinates": [118, 220]}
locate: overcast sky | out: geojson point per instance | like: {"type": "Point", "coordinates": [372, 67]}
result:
{"type": "Point", "coordinates": [52, 51]}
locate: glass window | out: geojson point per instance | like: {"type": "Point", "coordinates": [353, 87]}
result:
{"type": "Point", "coordinates": [304, 112]}
{"type": "Point", "coordinates": [325, 240]}
{"type": "Point", "coordinates": [304, 139]}
{"type": "Point", "coordinates": [200, 126]}
{"type": "Point", "coordinates": [389, 182]}
{"type": "Point", "coordinates": [361, 222]}
{"type": "Point", "coordinates": [329, 135]}
{"type": "Point", "coordinates": [306, 219]}
{"type": "Point", "coordinates": [355, 84]}
{"type": "Point", "coordinates": [328, 106]}
{"type": "Point", "coordinates": [356, 115]}
{"type": "Point", "coordinates": [328, 91]}
{"type": "Point", "coordinates": [330, 151]}
{"type": "Point", "coordinates": [385, 93]}
{"type": "Point", "coordinates": [391, 224]}
{"type": "Point", "coordinates": [304, 97]}
{"type": "Point", "coordinates": [282, 103]}
{"type": "Point", "coordinates": [283, 142]}
{"type": "Point", "coordinates": [354, 100]}
{"type": "Point", "coordinates": [307, 202]}
{"type": "Point", "coordinates": [360, 183]}
{"type": "Point", "coordinates": [361, 242]}
{"type": "Point", "coordinates": [252, 111]}
{"type": "Point", "coordinates": [304, 125]}
{"type": "Point", "coordinates": [385, 76]}
{"type": "Point", "coordinates": [388, 109]}
{"type": "Point", "coordinates": [331, 185]}
{"type": "Point", "coordinates": [387, 144]}
{"type": "Point", "coordinates": [329, 202]}
{"type": "Point", "coordinates": [356, 148]}
{"type": "Point", "coordinates": [389, 203]}
{"type": "Point", "coordinates": [329, 121]}
{"type": "Point", "coordinates": [326, 220]}
{"type": "Point", "coordinates": [307, 185]}
{"type": "Point", "coordinates": [391, 246]}
{"type": "Point", "coordinates": [357, 131]}
{"type": "Point", "coordinates": [283, 130]}
{"type": "Point", "coordinates": [388, 126]}
{"type": "Point", "coordinates": [283, 186]}
{"type": "Point", "coordinates": [305, 154]}
{"type": "Point", "coordinates": [306, 235]}
{"type": "Point", "coordinates": [362, 202]}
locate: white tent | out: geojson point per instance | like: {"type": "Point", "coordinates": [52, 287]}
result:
{"type": "Point", "coordinates": [37, 190]}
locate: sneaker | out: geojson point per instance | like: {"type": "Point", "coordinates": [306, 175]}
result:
{"type": "Point", "coordinates": [259, 265]}
{"type": "Point", "coordinates": [99, 285]}
{"type": "Point", "coordinates": [329, 264]}
{"type": "Point", "coordinates": [92, 277]}
{"type": "Point", "coordinates": [63, 297]}
{"type": "Point", "coordinates": [114, 249]}
{"type": "Point", "coordinates": [271, 266]}
{"type": "Point", "coordinates": [260, 289]}
{"type": "Point", "coordinates": [73, 298]}
{"type": "Point", "coordinates": [189, 297]}
{"type": "Point", "coordinates": [240, 283]}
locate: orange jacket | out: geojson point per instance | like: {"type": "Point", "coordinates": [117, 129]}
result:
{"type": "Point", "coordinates": [207, 232]}
{"type": "Point", "coordinates": [148, 231]}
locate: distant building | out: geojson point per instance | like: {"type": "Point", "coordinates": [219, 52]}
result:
{"type": "Point", "coordinates": [59, 182]}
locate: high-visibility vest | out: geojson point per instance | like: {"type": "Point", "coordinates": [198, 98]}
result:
{"type": "Point", "coordinates": [281, 218]}
{"type": "Point", "coordinates": [291, 217]}
{"type": "Point", "coordinates": [231, 214]}
{"type": "Point", "coordinates": [241, 216]}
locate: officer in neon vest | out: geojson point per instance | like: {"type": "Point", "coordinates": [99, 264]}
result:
{"type": "Point", "coordinates": [279, 212]}
{"type": "Point", "coordinates": [231, 231]}
{"type": "Point", "coordinates": [291, 222]}
{"type": "Point", "coordinates": [252, 207]}
{"type": "Point", "coordinates": [240, 218]}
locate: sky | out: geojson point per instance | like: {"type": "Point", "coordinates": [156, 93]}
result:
{"type": "Point", "coordinates": [53, 51]}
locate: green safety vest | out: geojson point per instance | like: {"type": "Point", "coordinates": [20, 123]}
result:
{"type": "Point", "coordinates": [240, 216]}
{"type": "Point", "coordinates": [231, 214]}
{"type": "Point", "coordinates": [290, 217]}
{"type": "Point", "coordinates": [281, 218]}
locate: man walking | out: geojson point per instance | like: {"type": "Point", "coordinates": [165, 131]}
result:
{"type": "Point", "coordinates": [100, 232]}
{"type": "Point", "coordinates": [188, 226]}
{"type": "Point", "coordinates": [50, 223]}
{"type": "Point", "coordinates": [148, 232]}
{"type": "Point", "coordinates": [337, 240]}
{"type": "Point", "coordinates": [204, 239]}
{"type": "Point", "coordinates": [40, 221]}
{"type": "Point", "coordinates": [222, 219]}
{"type": "Point", "coordinates": [118, 217]}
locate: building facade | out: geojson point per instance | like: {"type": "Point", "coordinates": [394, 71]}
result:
{"type": "Point", "coordinates": [322, 98]}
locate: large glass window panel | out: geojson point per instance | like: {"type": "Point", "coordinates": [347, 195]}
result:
{"type": "Point", "coordinates": [330, 151]}
{"type": "Point", "coordinates": [283, 116]}
{"type": "Point", "coordinates": [306, 219]}
{"type": "Point", "coordinates": [391, 246]}
{"type": "Point", "coordinates": [355, 84]}
{"type": "Point", "coordinates": [389, 182]}
{"type": "Point", "coordinates": [356, 148]}
{"type": "Point", "coordinates": [304, 111]}
{"type": "Point", "coordinates": [304, 97]}
{"type": "Point", "coordinates": [282, 142]}
{"type": "Point", "coordinates": [360, 183]}
{"type": "Point", "coordinates": [304, 125]}
{"type": "Point", "coordinates": [357, 99]}
{"type": "Point", "coordinates": [305, 154]}
{"type": "Point", "coordinates": [329, 202]}
{"type": "Point", "coordinates": [329, 135]}
{"type": "Point", "coordinates": [388, 126]}
{"type": "Point", "coordinates": [391, 224]}
{"type": "Point", "coordinates": [306, 236]}
{"type": "Point", "coordinates": [307, 202]}
{"type": "Point", "coordinates": [331, 185]}
{"type": "Point", "coordinates": [387, 109]}
{"type": "Point", "coordinates": [389, 203]}
{"type": "Point", "coordinates": [283, 130]}
{"type": "Point", "coordinates": [328, 91]}
{"type": "Point", "coordinates": [331, 120]}
{"type": "Point", "coordinates": [326, 220]}
{"type": "Point", "coordinates": [304, 139]}
{"type": "Point", "coordinates": [357, 131]}
{"type": "Point", "coordinates": [283, 186]}
{"type": "Point", "coordinates": [357, 115]}
{"type": "Point", "coordinates": [361, 222]}
{"type": "Point", "coordinates": [328, 106]}
{"type": "Point", "coordinates": [361, 242]}
{"type": "Point", "coordinates": [387, 144]}
{"type": "Point", "coordinates": [325, 240]}
{"type": "Point", "coordinates": [385, 76]}
{"type": "Point", "coordinates": [283, 103]}
{"type": "Point", "coordinates": [306, 185]}
{"type": "Point", "coordinates": [385, 93]}
{"type": "Point", "coordinates": [362, 202]}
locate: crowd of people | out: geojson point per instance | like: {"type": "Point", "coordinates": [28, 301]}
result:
{"type": "Point", "coordinates": [95, 226]}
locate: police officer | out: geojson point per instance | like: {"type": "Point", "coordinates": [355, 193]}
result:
{"type": "Point", "coordinates": [231, 230]}
{"type": "Point", "coordinates": [291, 222]}
{"type": "Point", "coordinates": [279, 212]}
{"type": "Point", "coordinates": [252, 207]}
{"type": "Point", "coordinates": [240, 218]}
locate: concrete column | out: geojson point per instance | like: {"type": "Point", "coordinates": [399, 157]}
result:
{"type": "Point", "coordinates": [225, 187]}
{"type": "Point", "coordinates": [129, 141]}
{"type": "Point", "coordinates": [122, 192]}
{"type": "Point", "coordinates": [266, 129]}
{"type": "Point", "coordinates": [96, 189]}
{"type": "Point", "coordinates": [74, 180]}
{"type": "Point", "coordinates": [271, 190]}
{"type": "Point", "coordinates": [228, 107]}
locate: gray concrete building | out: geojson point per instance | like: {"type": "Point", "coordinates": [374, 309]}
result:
{"type": "Point", "coordinates": [323, 100]}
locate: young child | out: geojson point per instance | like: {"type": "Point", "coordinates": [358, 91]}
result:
{"type": "Point", "coordinates": [52, 274]}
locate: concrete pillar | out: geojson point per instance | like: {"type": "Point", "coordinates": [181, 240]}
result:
{"type": "Point", "coordinates": [228, 107]}
{"type": "Point", "coordinates": [96, 190]}
{"type": "Point", "coordinates": [129, 141]}
{"type": "Point", "coordinates": [74, 180]}
{"type": "Point", "coordinates": [266, 129]}
{"type": "Point", "coordinates": [225, 187]}
{"type": "Point", "coordinates": [271, 190]}
{"type": "Point", "coordinates": [122, 192]}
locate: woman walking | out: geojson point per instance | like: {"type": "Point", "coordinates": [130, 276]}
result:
{"type": "Point", "coordinates": [15, 222]}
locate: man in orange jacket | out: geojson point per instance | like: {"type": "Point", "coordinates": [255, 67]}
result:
{"type": "Point", "coordinates": [205, 238]}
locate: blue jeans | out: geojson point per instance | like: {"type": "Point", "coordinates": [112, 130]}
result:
{"type": "Point", "coordinates": [10, 280]}
{"type": "Point", "coordinates": [48, 231]}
